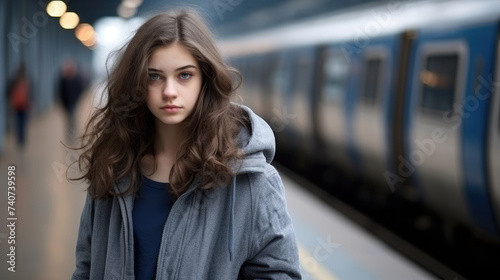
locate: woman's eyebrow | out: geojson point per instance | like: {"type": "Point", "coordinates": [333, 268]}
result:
{"type": "Point", "coordinates": [185, 67]}
{"type": "Point", "coordinates": [178, 69]}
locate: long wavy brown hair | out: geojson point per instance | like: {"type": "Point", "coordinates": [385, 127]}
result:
{"type": "Point", "coordinates": [119, 134]}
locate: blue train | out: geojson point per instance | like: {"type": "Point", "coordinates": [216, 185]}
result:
{"type": "Point", "coordinates": [404, 94]}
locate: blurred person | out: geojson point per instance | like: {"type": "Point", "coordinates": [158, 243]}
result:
{"type": "Point", "coordinates": [71, 86]}
{"type": "Point", "coordinates": [180, 181]}
{"type": "Point", "coordinates": [19, 100]}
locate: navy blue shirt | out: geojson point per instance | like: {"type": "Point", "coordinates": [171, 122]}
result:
{"type": "Point", "coordinates": [150, 212]}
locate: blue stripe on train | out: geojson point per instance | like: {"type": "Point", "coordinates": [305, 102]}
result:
{"type": "Point", "coordinates": [475, 124]}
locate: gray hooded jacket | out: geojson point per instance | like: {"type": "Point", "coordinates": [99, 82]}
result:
{"type": "Point", "coordinates": [242, 231]}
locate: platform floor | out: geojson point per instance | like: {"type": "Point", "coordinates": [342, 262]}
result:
{"type": "Point", "coordinates": [48, 207]}
{"type": "Point", "coordinates": [334, 247]}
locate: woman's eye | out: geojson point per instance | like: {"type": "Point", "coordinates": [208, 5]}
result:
{"type": "Point", "coordinates": [154, 77]}
{"type": "Point", "coordinates": [185, 76]}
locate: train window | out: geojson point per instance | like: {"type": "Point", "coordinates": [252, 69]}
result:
{"type": "Point", "coordinates": [335, 74]}
{"type": "Point", "coordinates": [372, 83]}
{"type": "Point", "coordinates": [438, 82]}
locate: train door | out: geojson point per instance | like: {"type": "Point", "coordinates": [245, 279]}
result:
{"type": "Point", "coordinates": [332, 117]}
{"type": "Point", "coordinates": [494, 136]}
{"type": "Point", "coordinates": [446, 122]}
{"type": "Point", "coordinates": [432, 150]}
{"type": "Point", "coordinates": [299, 110]}
{"type": "Point", "coordinates": [373, 109]}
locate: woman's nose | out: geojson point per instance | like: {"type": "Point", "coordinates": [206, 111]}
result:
{"type": "Point", "coordinates": [169, 91]}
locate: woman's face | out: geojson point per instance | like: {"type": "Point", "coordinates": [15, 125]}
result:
{"type": "Point", "coordinates": [175, 82]}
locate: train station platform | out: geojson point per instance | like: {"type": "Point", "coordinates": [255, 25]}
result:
{"type": "Point", "coordinates": [334, 247]}
{"type": "Point", "coordinates": [48, 207]}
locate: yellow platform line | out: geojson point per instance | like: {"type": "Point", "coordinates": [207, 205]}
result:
{"type": "Point", "coordinates": [311, 266]}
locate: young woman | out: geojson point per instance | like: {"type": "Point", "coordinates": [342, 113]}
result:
{"type": "Point", "coordinates": [180, 181]}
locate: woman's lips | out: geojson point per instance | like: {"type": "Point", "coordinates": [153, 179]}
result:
{"type": "Point", "coordinates": [171, 108]}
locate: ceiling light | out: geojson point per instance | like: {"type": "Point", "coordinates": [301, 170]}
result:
{"type": "Point", "coordinates": [69, 20]}
{"type": "Point", "coordinates": [56, 8]}
{"type": "Point", "coordinates": [84, 32]}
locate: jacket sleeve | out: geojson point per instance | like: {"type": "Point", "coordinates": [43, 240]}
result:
{"type": "Point", "coordinates": [83, 248]}
{"type": "Point", "coordinates": [274, 252]}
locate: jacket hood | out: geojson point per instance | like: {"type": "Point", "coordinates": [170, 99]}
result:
{"type": "Point", "coordinates": [257, 142]}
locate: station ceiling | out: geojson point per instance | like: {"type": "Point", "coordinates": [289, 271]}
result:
{"type": "Point", "coordinates": [228, 16]}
